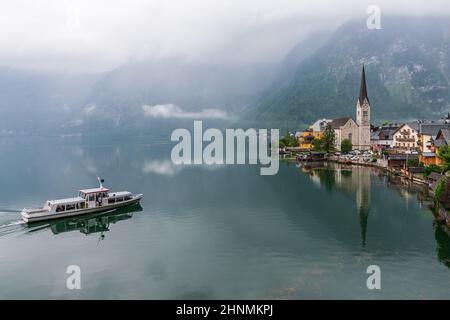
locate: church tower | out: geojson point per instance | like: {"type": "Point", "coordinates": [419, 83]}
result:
{"type": "Point", "coordinates": [363, 115]}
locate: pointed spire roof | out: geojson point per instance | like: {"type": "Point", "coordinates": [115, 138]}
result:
{"type": "Point", "coordinates": [363, 87]}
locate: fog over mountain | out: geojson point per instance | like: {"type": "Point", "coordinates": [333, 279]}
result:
{"type": "Point", "coordinates": [407, 69]}
{"type": "Point", "coordinates": [116, 66]}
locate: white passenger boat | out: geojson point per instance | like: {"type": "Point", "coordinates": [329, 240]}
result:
{"type": "Point", "coordinates": [88, 201]}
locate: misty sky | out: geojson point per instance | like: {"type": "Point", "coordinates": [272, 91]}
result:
{"type": "Point", "coordinates": [87, 35]}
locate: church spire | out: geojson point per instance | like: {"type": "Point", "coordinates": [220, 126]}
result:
{"type": "Point", "coordinates": [363, 88]}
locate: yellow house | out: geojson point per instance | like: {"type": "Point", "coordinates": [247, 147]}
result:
{"type": "Point", "coordinates": [305, 140]}
{"type": "Point", "coordinates": [429, 139]}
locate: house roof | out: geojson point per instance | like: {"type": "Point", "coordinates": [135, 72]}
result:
{"type": "Point", "coordinates": [434, 176]}
{"type": "Point", "coordinates": [388, 131]}
{"type": "Point", "coordinates": [337, 123]}
{"type": "Point", "coordinates": [399, 156]}
{"type": "Point", "coordinates": [432, 129]}
{"type": "Point", "coordinates": [413, 125]}
{"type": "Point", "coordinates": [429, 154]}
{"type": "Point", "coordinates": [445, 134]}
{"type": "Point", "coordinates": [375, 135]}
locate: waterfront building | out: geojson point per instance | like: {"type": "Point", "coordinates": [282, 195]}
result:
{"type": "Point", "coordinates": [426, 141]}
{"type": "Point", "coordinates": [405, 138]}
{"type": "Point", "coordinates": [320, 125]}
{"type": "Point", "coordinates": [306, 138]}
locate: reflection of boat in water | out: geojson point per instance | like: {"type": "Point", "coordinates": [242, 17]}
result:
{"type": "Point", "coordinates": [88, 201]}
{"type": "Point", "coordinates": [89, 223]}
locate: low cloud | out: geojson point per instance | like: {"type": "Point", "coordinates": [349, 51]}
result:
{"type": "Point", "coordinates": [89, 109]}
{"type": "Point", "coordinates": [170, 111]}
{"type": "Point", "coordinates": [165, 168]}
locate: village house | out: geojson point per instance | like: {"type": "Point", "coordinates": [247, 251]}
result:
{"type": "Point", "coordinates": [383, 138]}
{"type": "Point", "coordinates": [306, 138]}
{"type": "Point", "coordinates": [320, 125]}
{"type": "Point", "coordinates": [405, 138]}
{"type": "Point", "coordinates": [315, 131]}
{"type": "Point", "coordinates": [442, 138]}
{"type": "Point", "coordinates": [426, 141]}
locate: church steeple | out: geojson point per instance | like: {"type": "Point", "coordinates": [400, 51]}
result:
{"type": "Point", "coordinates": [363, 114]}
{"type": "Point", "coordinates": [363, 88]}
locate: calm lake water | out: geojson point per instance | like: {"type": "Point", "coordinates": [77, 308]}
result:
{"type": "Point", "coordinates": [212, 232]}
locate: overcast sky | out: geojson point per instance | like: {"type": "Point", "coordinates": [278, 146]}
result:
{"type": "Point", "coordinates": [99, 35]}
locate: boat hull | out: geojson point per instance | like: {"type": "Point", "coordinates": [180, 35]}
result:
{"type": "Point", "coordinates": [52, 215]}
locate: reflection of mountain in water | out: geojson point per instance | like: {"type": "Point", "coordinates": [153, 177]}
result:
{"type": "Point", "coordinates": [89, 224]}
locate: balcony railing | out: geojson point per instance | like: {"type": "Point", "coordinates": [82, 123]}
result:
{"type": "Point", "coordinates": [400, 139]}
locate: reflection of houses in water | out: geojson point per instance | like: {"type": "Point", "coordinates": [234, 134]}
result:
{"type": "Point", "coordinates": [93, 223]}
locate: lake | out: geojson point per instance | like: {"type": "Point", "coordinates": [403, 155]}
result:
{"type": "Point", "coordinates": [212, 232]}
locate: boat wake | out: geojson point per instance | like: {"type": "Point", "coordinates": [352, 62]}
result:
{"type": "Point", "coordinates": [9, 227]}
{"type": "Point", "coordinates": [9, 222]}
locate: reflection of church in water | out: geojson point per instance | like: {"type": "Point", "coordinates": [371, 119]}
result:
{"type": "Point", "coordinates": [359, 181]}
{"type": "Point", "coordinates": [351, 180]}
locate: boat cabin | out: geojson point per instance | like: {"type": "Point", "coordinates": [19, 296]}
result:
{"type": "Point", "coordinates": [88, 198]}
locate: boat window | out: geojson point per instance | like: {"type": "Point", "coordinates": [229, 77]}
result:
{"type": "Point", "coordinates": [70, 206]}
{"type": "Point", "coordinates": [119, 199]}
{"type": "Point", "coordinates": [60, 208]}
{"type": "Point", "coordinates": [111, 200]}
{"type": "Point", "coordinates": [91, 197]}
{"type": "Point", "coordinates": [82, 205]}
{"type": "Point", "coordinates": [127, 198]}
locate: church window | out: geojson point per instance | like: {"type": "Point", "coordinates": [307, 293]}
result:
{"type": "Point", "coordinates": [365, 113]}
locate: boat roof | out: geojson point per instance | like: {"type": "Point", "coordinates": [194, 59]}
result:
{"type": "Point", "coordinates": [94, 190]}
{"type": "Point", "coordinates": [67, 200]}
{"type": "Point", "coordinates": [120, 193]}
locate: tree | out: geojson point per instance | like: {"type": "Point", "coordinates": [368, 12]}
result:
{"type": "Point", "coordinates": [444, 154]}
{"type": "Point", "coordinates": [346, 146]}
{"type": "Point", "coordinates": [432, 168]}
{"type": "Point", "coordinates": [317, 145]}
{"type": "Point", "coordinates": [288, 141]}
{"type": "Point", "coordinates": [412, 162]}
{"type": "Point", "coordinates": [328, 139]}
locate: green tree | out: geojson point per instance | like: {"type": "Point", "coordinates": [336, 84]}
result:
{"type": "Point", "coordinates": [329, 139]}
{"type": "Point", "coordinates": [346, 146]}
{"type": "Point", "coordinates": [432, 168]}
{"type": "Point", "coordinates": [317, 144]}
{"type": "Point", "coordinates": [288, 141]}
{"type": "Point", "coordinates": [444, 154]}
{"type": "Point", "coordinates": [413, 162]}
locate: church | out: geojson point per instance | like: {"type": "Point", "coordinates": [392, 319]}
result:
{"type": "Point", "coordinates": [358, 132]}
